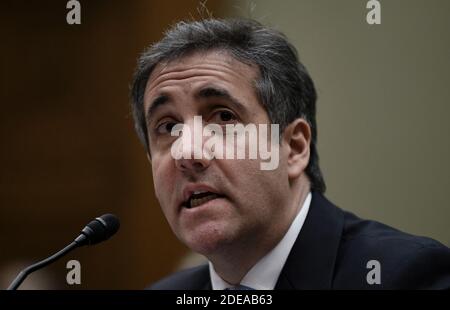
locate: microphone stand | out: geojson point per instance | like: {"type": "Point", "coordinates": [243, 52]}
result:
{"type": "Point", "coordinates": [79, 241]}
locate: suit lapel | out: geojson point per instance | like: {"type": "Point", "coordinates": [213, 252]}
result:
{"type": "Point", "coordinates": [207, 283]}
{"type": "Point", "coordinates": [203, 279]}
{"type": "Point", "coordinates": [310, 264]}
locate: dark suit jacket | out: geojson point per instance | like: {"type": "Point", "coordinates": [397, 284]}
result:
{"type": "Point", "coordinates": [332, 251]}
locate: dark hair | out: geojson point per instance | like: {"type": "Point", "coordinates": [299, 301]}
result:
{"type": "Point", "coordinates": [284, 86]}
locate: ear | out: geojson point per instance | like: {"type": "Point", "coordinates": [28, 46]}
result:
{"type": "Point", "coordinates": [297, 136]}
{"type": "Point", "coordinates": [149, 158]}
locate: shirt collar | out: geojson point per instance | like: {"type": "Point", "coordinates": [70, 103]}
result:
{"type": "Point", "coordinates": [264, 274]}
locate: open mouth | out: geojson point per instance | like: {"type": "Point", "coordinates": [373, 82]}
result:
{"type": "Point", "coordinates": [199, 198]}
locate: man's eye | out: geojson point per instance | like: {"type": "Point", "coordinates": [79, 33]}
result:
{"type": "Point", "coordinates": [224, 117]}
{"type": "Point", "coordinates": [165, 127]}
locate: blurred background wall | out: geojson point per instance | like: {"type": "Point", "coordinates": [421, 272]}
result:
{"type": "Point", "coordinates": [69, 153]}
{"type": "Point", "coordinates": [383, 107]}
{"type": "Point", "coordinates": [68, 148]}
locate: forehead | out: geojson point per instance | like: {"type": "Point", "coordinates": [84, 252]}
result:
{"type": "Point", "coordinates": [213, 67]}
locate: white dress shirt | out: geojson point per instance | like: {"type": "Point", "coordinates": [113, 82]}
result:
{"type": "Point", "coordinates": [264, 274]}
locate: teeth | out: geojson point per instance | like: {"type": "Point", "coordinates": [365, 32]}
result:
{"type": "Point", "coordinates": [199, 192]}
{"type": "Point", "coordinates": [194, 202]}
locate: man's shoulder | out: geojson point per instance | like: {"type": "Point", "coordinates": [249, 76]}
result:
{"type": "Point", "coordinates": [196, 278]}
{"type": "Point", "coordinates": [404, 260]}
{"type": "Point", "coordinates": [379, 236]}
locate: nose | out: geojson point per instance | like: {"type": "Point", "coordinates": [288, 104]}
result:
{"type": "Point", "coordinates": [193, 158]}
{"type": "Point", "coordinates": [194, 165]}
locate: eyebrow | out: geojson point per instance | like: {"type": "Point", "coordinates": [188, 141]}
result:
{"type": "Point", "coordinates": [205, 92]}
{"type": "Point", "coordinates": [215, 92]}
{"type": "Point", "coordinates": [157, 102]}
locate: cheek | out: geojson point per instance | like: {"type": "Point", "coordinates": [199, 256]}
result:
{"type": "Point", "coordinates": [261, 191]}
{"type": "Point", "coordinates": [248, 181]}
{"type": "Point", "coordinates": [162, 179]}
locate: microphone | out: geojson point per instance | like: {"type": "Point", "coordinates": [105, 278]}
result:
{"type": "Point", "coordinates": [98, 230]}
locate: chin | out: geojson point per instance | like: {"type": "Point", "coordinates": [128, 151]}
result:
{"type": "Point", "coordinates": [207, 240]}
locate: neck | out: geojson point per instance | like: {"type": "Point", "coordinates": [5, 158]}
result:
{"type": "Point", "coordinates": [233, 262]}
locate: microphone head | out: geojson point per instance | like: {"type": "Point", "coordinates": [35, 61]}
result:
{"type": "Point", "coordinates": [101, 229]}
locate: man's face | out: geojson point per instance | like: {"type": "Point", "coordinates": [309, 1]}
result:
{"type": "Point", "coordinates": [243, 203]}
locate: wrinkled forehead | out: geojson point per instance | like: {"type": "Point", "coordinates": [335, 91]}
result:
{"type": "Point", "coordinates": [182, 66]}
{"type": "Point", "coordinates": [220, 54]}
